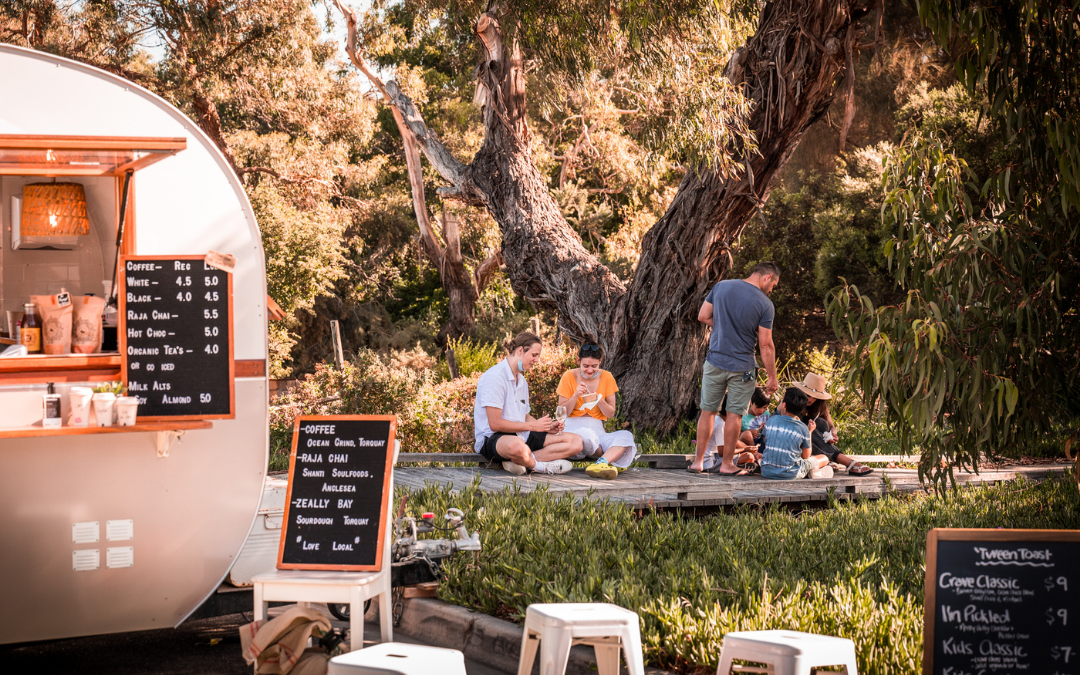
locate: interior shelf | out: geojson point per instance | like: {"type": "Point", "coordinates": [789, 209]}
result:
{"type": "Point", "coordinates": [38, 430]}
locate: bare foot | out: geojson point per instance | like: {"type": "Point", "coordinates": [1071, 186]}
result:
{"type": "Point", "coordinates": [728, 469]}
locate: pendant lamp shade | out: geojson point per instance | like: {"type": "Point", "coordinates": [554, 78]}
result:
{"type": "Point", "coordinates": [53, 209]}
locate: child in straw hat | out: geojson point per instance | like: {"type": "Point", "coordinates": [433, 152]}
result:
{"type": "Point", "coordinates": [824, 437]}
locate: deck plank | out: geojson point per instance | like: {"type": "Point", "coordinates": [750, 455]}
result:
{"type": "Point", "coordinates": [670, 488]}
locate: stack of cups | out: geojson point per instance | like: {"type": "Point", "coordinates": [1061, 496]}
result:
{"type": "Point", "coordinates": [105, 408]}
{"type": "Point", "coordinates": [126, 409]}
{"type": "Point", "coordinates": [79, 398]}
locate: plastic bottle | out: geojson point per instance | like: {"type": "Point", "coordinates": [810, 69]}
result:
{"type": "Point", "coordinates": [30, 331]}
{"type": "Point", "coordinates": [50, 402]}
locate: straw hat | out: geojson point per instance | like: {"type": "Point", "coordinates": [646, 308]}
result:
{"type": "Point", "coordinates": [814, 385]}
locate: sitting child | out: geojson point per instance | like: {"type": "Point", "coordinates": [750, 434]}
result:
{"type": "Point", "coordinates": [787, 442]}
{"type": "Point", "coordinates": [754, 419]}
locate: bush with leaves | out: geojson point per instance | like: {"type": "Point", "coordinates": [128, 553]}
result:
{"type": "Point", "coordinates": [854, 570]}
{"type": "Point", "coordinates": [433, 416]}
{"type": "Point", "coordinates": [981, 353]}
{"type": "Point", "coordinates": [364, 386]}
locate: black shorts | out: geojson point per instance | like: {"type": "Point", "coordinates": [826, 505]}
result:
{"type": "Point", "coordinates": [817, 441]}
{"type": "Point", "coordinates": [487, 450]}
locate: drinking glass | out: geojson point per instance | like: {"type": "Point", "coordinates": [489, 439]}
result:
{"type": "Point", "coordinates": [560, 413]}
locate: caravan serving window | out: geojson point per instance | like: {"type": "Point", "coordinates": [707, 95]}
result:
{"type": "Point", "coordinates": [33, 263]}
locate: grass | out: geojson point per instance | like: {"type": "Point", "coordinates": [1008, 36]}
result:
{"type": "Point", "coordinates": [854, 570]}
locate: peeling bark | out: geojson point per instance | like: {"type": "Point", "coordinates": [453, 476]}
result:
{"type": "Point", "coordinates": [657, 345]}
{"type": "Point", "coordinates": [790, 69]}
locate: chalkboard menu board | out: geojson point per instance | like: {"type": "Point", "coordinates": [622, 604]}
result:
{"type": "Point", "coordinates": [339, 493]}
{"type": "Point", "coordinates": [176, 339]}
{"type": "Point", "coordinates": [1002, 601]}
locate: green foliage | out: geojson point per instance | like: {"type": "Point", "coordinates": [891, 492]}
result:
{"type": "Point", "coordinates": [416, 292]}
{"type": "Point", "coordinates": [364, 386]}
{"type": "Point", "coordinates": [472, 357]}
{"type": "Point", "coordinates": [982, 350]}
{"type": "Point", "coordinates": [855, 570]}
{"type": "Point", "coordinates": [981, 354]}
{"type": "Point", "coordinates": [826, 228]}
{"type": "Point", "coordinates": [117, 388]}
{"type": "Point", "coordinates": [959, 117]}
{"type": "Point", "coordinates": [433, 416]}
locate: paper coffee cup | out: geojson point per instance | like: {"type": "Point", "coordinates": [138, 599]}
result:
{"type": "Point", "coordinates": [104, 404]}
{"type": "Point", "coordinates": [79, 400]}
{"type": "Point", "coordinates": [126, 409]}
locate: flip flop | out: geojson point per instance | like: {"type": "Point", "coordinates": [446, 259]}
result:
{"type": "Point", "coordinates": [693, 470]}
{"type": "Point", "coordinates": [740, 472]}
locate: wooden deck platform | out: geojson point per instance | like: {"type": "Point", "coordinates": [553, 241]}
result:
{"type": "Point", "coordinates": [673, 488]}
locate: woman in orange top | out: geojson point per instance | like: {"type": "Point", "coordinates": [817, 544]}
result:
{"type": "Point", "coordinates": [588, 392]}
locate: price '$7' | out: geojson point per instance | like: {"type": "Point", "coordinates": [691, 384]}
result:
{"type": "Point", "coordinates": [1061, 653]}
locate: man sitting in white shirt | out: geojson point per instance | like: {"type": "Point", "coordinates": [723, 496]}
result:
{"type": "Point", "coordinates": [505, 431]}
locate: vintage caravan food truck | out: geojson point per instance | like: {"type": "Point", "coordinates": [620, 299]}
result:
{"type": "Point", "coordinates": [119, 528]}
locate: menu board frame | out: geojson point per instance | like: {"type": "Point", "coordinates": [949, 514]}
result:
{"type": "Point", "coordinates": [384, 507]}
{"type": "Point", "coordinates": [969, 534]}
{"type": "Point", "coordinates": [122, 334]}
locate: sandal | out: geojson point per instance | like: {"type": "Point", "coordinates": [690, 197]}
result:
{"type": "Point", "coordinates": [716, 471]}
{"type": "Point", "coordinates": [858, 469]}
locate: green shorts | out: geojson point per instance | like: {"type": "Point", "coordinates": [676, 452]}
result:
{"type": "Point", "coordinates": [715, 383]}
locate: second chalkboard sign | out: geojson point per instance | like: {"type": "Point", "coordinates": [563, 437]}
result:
{"type": "Point", "coordinates": [176, 337]}
{"type": "Point", "coordinates": [1002, 601]}
{"type": "Point", "coordinates": [339, 493]}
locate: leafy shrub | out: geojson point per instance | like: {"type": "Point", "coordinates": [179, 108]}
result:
{"type": "Point", "coordinates": [472, 357]}
{"type": "Point", "coordinates": [846, 403]}
{"type": "Point", "coordinates": [432, 416]}
{"type": "Point", "coordinates": [364, 386]}
{"type": "Point", "coordinates": [854, 570]}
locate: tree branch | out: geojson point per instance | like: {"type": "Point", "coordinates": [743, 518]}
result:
{"type": "Point", "coordinates": [452, 235]}
{"type": "Point", "coordinates": [486, 272]}
{"type": "Point", "coordinates": [437, 153]}
{"type": "Point", "coordinates": [416, 183]}
{"type": "Point", "coordinates": [571, 155]}
{"type": "Point", "coordinates": [850, 54]}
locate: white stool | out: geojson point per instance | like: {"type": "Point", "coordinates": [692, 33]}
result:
{"type": "Point", "coordinates": [352, 588]}
{"type": "Point", "coordinates": [396, 658]}
{"type": "Point", "coordinates": [554, 628]}
{"type": "Point", "coordinates": [786, 652]}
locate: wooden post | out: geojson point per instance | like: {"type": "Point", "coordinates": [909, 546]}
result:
{"type": "Point", "coordinates": [534, 324]}
{"type": "Point", "coordinates": [335, 338]}
{"type": "Point", "coordinates": [451, 361]}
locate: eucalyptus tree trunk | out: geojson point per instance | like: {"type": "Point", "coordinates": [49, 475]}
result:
{"type": "Point", "coordinates": [655, 346]}
{"type": "Point", "coordinates": [789, 69]}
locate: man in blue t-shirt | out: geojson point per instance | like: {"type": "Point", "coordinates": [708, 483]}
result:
{"type": "Point", "coordinates": [740, 313]}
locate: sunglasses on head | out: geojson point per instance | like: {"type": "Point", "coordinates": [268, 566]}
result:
{"type": "Point", "coordinates": [590, 348]}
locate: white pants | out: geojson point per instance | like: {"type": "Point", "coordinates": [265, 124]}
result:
{"type": "Point", "coordinates": [716, 442]}
{"type": "Point", "coordinates": [593, 436]}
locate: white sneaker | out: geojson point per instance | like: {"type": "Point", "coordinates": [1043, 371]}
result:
{"type": "Point", "coordinates": [824, 472]}
{"type": "Point", "coordinates": [558, 466]}
{"type": "Point", "coordinates": [515, 469]}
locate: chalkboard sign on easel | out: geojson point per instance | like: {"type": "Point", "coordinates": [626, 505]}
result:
{"type": "Point", "coordinates": [176, 338]}
{"type": "Point", "coordinates": [339, 493]}
{"type": "Point", "coordinates": [1002, 601]}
